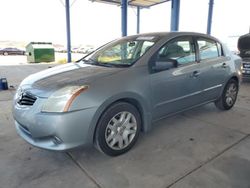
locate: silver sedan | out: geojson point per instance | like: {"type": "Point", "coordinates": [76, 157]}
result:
{"type": "Point", "coordinates": [110, 96]}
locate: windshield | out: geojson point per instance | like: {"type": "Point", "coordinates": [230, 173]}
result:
{"type": "Point", "coordinates": [123, 52]}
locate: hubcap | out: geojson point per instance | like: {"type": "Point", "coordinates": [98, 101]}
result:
{"type": "Point", "coordinates": [121, 130]}
{"type": "Point", "coordinates": [231, 94]}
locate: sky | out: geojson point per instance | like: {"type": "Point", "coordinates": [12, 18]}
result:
{"type": "Point", "coordinates": [98, 23]}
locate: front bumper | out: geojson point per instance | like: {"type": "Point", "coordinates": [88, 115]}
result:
{"type": "Point", "coordinates": [53, 131]}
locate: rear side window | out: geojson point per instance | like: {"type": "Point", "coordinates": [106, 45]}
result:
{"type": "Point", "coordinates": [209, 49]}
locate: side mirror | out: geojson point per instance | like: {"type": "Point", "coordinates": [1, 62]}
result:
{"type": "Point", "coordinates": [164, 65]}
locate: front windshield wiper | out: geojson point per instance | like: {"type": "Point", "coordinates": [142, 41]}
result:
{"type": "Point", "coordinates": [86, 61]}
{"type": "Point", "coordinates": [92, 62]}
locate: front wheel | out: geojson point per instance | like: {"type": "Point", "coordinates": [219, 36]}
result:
{"type": "Point", "coordinates": [118, 129]}
{"type": "Point", "coordinates": [229, 95]}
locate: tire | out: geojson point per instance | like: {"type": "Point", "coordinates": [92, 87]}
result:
{"type": "Point", "coordinates": [5, 53]}
{"type": "Point", "coordinates": [118, 129]}
{"type": "Point", "coordinates": [229, 95]}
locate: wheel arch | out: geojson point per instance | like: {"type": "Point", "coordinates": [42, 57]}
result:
{"type": "Point", "coordinates": [137, 101]}
{"type": "Point", "coordinates": [234, 77]}
{"type": "Point", "coordinates": [220, 102]}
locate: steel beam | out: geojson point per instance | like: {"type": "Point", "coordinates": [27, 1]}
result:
{"type": "Point", "coordinates": [175, 13]}
{"type": "Point", "coordinates": [210, 16]}
{"type": "Point", "coordinates": [67, 6]}
{"type": "Point", "coordinates": [124, 7]}
{"type": "Point", "coordinates": [138, 20]}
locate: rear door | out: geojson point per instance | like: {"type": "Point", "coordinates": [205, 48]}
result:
{"type": "Point", "coordinates": [214, 65]}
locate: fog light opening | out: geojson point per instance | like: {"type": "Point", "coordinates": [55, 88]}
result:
{"type": "Point", "coordinates": [57, 140]}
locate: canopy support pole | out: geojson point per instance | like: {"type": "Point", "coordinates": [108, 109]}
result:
{"type": "Point", "coordinates": [138, 20]}
{"type": "Point", "coordinates": [124, 7]}
{"type": "Point", "coordinates": [67, 6]}
{"type": "Point", "coordinates": [175, 12]}
{"type": "Point", "coordinates": [210, 16]}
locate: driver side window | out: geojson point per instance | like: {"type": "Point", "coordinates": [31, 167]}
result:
{"type": "Point", "coordinates": [180, 50]}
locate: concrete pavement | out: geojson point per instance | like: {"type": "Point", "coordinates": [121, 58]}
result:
{"type": "Point", "coordinates": [203, 147]}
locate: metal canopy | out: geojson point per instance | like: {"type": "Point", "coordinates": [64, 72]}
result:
{"type": "Point", "coordinates": [134, 3]}
{"type": "Point", "coordinates": [175, 11]}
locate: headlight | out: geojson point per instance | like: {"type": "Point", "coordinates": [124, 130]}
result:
{"type": "Point", "coordinates": [61, 100]}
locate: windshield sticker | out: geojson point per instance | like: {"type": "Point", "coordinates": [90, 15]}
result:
{"type": "Point", "coordinates": [145, 38]}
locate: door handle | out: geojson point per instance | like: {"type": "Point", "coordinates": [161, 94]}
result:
{"type": "Point", "coordinates": [224, 65]}
{"type": "Point", "coordinates": [195, 74]}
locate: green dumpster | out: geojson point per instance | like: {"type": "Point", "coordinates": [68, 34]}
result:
{"type": "Point", "coordinates": [40, 52]}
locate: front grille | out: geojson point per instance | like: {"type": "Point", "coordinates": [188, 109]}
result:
{"type": "Point", "coordinates": [26, 99]}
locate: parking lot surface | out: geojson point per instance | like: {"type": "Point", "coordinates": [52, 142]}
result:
{"type": "Point", "coordinates": [200, 148]}
{"type": "Point", "coordinates": [13, 60]}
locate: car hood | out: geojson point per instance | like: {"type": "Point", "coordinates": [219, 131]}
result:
{"type": "Point", "coordinates": [244, 46]}
{"type": "Point", "coordinates": [43, 83]}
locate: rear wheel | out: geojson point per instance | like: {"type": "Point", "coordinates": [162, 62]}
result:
{"type": "Point", "coordinates": [118, 129]}
{"type": "Point", "coordinates": [229, 96]}
{"type": "Point", "coordinates": [5, 53]}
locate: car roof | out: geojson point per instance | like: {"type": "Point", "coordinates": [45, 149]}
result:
{"type": "Point", "coordinates": [172, 35]}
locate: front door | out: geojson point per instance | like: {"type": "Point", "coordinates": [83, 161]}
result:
{"type": "Point", "coordinates": [176, 88]}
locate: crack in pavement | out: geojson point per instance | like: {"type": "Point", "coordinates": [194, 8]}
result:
{"type": "Point", "coordinates": [84, 170]}
{"type": "Point", "coordinates": [208, 161]}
